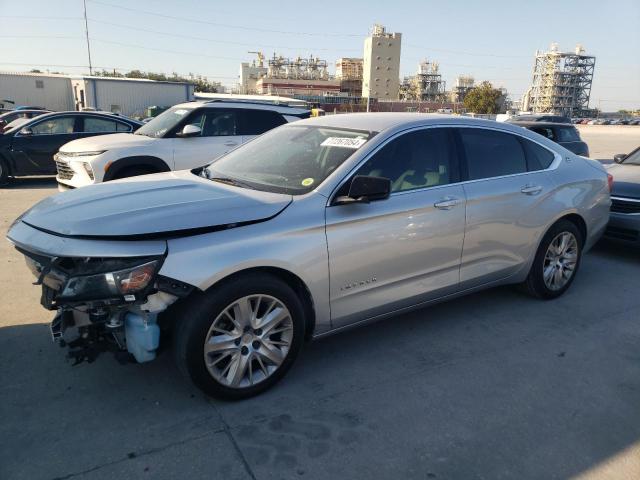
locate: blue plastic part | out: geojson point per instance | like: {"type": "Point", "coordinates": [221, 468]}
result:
{"type": "Point", "coordinates": [143, 336]}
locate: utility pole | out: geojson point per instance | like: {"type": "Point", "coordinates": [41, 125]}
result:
{"type": "Point", "coordinates": [86, 31]}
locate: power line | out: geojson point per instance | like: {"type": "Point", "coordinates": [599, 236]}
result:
{"type": "Point", "coordinates": [226, 42]}
{"type": "Point", "coordinates": [224, 25]}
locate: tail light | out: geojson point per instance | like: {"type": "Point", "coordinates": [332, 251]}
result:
{"type": "Point", "coordinates": [610, 182]}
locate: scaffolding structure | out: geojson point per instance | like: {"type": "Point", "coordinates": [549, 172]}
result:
{"type": "Point", "coordinates": [464, 83]}
{"type": "Point", "coordinates": [425, 86]}
{"type": "Point", "coordinates": [561, 82]}
{"type": "Point", "coordinates": [311, 68]}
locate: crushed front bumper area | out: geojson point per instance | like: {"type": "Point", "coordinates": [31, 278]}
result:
{"type": "Point", "coordinates": [128, 335]}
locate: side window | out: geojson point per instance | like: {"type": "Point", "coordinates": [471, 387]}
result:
{"type": "Point", "coordinates": [99, 125]}
{"type": "Point", "coordinates": [54, 126]}
{"type": "Point", "coordinates": [256, 122]}
{"type": "Point", "coordinates": [568, 134]}
{"type": "Point", "coordinates": [425, 158]}
{"type": "Point", "coordinates": [538, 158]}
{"type": "Point", "coordinates": [545, 132]}
{"type": "Point", "coordinates": [123, 127]}
{"type": "Point", "coordinates": [492, 154]}
{"type": "Point", "coordinates": [219, 123]}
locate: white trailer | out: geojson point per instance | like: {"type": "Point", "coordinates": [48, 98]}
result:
{"type": "Point", "coordinates": [49, 91]}
{"type": "Point", "coordinates": [127, 96]}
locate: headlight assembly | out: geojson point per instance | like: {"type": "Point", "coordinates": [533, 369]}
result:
{"type": "Point", "coordinates": [82, 154]}
{"type": "Point", "coordinates": [111, 284]}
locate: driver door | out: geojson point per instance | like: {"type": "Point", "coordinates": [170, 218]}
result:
{"type": "Point", "coordinates": [219, 133]}
{"type": "Point", "coordinates": [394, 253]}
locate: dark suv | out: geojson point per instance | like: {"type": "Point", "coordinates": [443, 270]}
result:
{"type": "Point", "coordinates": [563, 133]}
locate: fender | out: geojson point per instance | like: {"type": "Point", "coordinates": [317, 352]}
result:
{"type": "Point", "coordinates": [155, 163]}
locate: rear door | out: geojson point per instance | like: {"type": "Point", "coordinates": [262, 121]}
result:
{"type": "Point", "coordinates": [389, 254]}
{"type": "Point", "coordinates": [256, 122]}
{"type": "Point", "coordinates": [33, 154]}
{"type": "Point", "coordinates": [92, 125]}
{"type": "Point", "coordinates": [506, 183]}
{"type": "Point", "coordinates": [219, 133]}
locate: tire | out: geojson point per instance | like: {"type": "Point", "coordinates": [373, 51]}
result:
{"type": "Point", "coordinates": [133, 172]}
{"type": "Point", "coordinates": [4, 173]}
{"type": "Point", "coordinates": [252, 349]}
{"type": "Point", "coordinates": [566, 264]}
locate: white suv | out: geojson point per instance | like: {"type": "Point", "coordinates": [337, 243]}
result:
{"type": "Point", "coordinates": [188, 135]}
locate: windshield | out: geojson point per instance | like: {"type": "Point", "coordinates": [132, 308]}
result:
{"type": "Point", "coordinates": [633, 158]}
{"type": "Point", "coordinates": [291, 159]}
{"type": "Point", "coordinates": [163, 122]}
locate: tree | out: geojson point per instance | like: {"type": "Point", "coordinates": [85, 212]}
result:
{"type": "Point", "coordinates": [483, 99]}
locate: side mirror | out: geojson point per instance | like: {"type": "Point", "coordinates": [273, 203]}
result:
{"type": "Point", "coordinates": [189, 131]}
{"type": "Point", "coordinates": [619, 158]}
{"type": "Point", "coordinates": [364, 189]}
{"type": "Point", "coordinates": [26, 131]}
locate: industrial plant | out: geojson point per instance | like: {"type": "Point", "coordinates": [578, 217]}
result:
{"type": "Point", "coordinates": [561, 82]}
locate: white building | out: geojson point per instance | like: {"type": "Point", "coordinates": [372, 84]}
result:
{"type": "Point", "coordinates": [127, 96]}
{"type": "Point", "coordinates": [52, 92]}
{"type": "Point", "coordinates": [250, 73]}
{"type": "Point", "coordinates": [381, 69]}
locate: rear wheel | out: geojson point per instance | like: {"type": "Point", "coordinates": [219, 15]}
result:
{"type": "Point", "coordinates": [240, 338]}
{"type": "Point", "coordinates": [556, 262]}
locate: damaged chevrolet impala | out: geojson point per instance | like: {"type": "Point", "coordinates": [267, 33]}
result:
{"type": "Point", "coordinates": [309, 229]}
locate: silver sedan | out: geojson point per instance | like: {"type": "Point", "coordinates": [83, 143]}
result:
{"type": "Point", "coordinates": [311, 228]}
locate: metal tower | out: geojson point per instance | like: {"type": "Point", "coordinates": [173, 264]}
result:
{"type": "Point", "coordinates": [562, 82]}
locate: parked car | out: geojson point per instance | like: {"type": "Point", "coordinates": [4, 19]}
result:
{"type": "Point", "coordinates": [624, 222]}
{"type": "Point", "coordinates": [311, 228]}
{"type": "Point", "coordinates": [539, 117]}
{"type": "Point", "coordinates": [565, 134]}
{"type": "Point", "coordinates": [188, 135]}
{"type": "Point", "coordinates": [29, 148]}
{"type": "Point", "coordinates": [8, 117]}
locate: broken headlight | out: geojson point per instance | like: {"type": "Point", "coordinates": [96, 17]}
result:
{"type": "Point", "coordinates": [111, 284]}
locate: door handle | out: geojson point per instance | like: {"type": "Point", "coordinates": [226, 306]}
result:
{"type": "Point", "coordinates": [230, 144]}
{"type": "Point", "coordinates": [447, 203]}
{"type": "Point", "coordinates": [531, 189]}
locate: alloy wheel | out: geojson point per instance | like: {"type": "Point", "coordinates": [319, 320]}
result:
{"type": "Point", "coordinates": [248, 341]}
{"type": "Point", "coordinates": [560, 261]}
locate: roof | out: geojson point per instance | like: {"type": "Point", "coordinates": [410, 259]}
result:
{"type": "Point", "coordinates": [125, 79]}
{"type": "Point", "coordinates": [528, 124]}
{"type": "Point", "coordinates": [243, 104]}
{"type": "Point", "coordinates": [257, 98]}
{"type": "Point", "coordinates": [379, 121]}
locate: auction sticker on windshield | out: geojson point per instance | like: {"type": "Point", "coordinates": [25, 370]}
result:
{"type": "Point", "coordinates": [344, 142]}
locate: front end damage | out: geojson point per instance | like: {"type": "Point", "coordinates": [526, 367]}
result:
{"type": "Point", "coordinates": [105, 303]}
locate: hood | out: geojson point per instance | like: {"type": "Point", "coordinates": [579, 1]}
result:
{"type": "Point", "coordinates": [106, 142]}
{"type": "Point", "coordinates": [164, 204]}
{"type": "Point", "coordinates": [626, 180]}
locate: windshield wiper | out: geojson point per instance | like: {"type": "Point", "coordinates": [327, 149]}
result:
{"type": "Point", "coordinates": [229, 181]}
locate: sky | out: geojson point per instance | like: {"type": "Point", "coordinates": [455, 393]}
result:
{"type": "Point", "coordinates": [491, 40]}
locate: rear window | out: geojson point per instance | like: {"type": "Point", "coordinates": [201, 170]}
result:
{"type": "Point", "coordinates": [538, 158]}
{"type": "Point", "coordinates": [568, 134]}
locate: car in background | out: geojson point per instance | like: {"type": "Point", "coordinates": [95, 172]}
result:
{"type": "Point", "coordinates": [564, 134]}
{"type": "Point", "coordinates": [313, 227]}
{"type": "Point", "coordinates": [188, 135]}
{"type": "Point", "coordinates": [29, 147]}
{"type": "Point", "coordinates": [624, 219]}
{"type": "Point", "coordinates": [8, 117]}
{"type": "Point", "coordinates": [539, 117]}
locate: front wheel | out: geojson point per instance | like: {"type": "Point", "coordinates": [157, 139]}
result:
{"type": "Point", "coordinates": [556, 262]}
{"type": "Point", "coordinates": [240, 338]}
